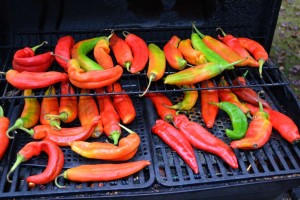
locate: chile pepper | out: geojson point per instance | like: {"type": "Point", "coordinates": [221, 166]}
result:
{"type": "Point", "coordinates": [256, 49]}
{"type": "Point", "coordinates": [139, 51]}
{"type": "Point", "coordinates": [102, 172]}
{"type": "Point", "coordinates": [26, 60]}
{"type": "Point", "coordinates": [34, 80]}
{"type": "Point", "coordinates": [233, 43]}
{"type": "Point", "coordinates": [63, 48]}
{"type": "Point", "coordinates": [190, 54]}
{"type": "Point", "coordinates": [30, 115]}
{"type": "Point", "coordinates": [122, 103]}
{"type": "Point", "coordinates": [4, 124]}
{"type": "Point", "coordinates": [173, 54]}
{"type": "Point", "coordinates": [109, 116]}
{"type": "Point", "coordinates": [161, 102]}
{"type": "Point", "coordinates": [238, 120]}
{"type": "Point", "coordinates": [177, 141]}
{"type": "Point", "coordinates": [101, 52]}
{"type": "Point", "coordinates": [200, 138]}
{"type": "Point", "coordinates": [54, 165]}
{"type": "Point", "coordinates": [63, 136]}
{"type": "Point", "coordinates": [188, 101]}
{"type": "Point", "coordinates": [107, 151]}
{"type": "Point", "coordinates": [92, 79]}
{"type": "Point", "coordinates": [121, 50]}
{"type": "Point", "coordinates": [80, 51]}
{"type": "Point", "coordinates": [156, 65]}
{"type": "Point", "coordinates": [258, 132]}
{"type": "Point", "coordinates": [208, 111]}
{"type": "Point", "coordinates": [68, 108]}
{"type": "Point", "coordinates": [282, 123]}
{"type": "Point", "coordinates": [87, 110]}
{"type": "Point", "coordinates": [193, 75]}
{"type": "Point", "coordinates": [227, 94]}
{"type": "Point", "coordinates": [50, 105]}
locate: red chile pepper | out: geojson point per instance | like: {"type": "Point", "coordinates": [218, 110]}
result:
{"type": "Point", "coordinates": [102, 52]}
{"type": "Point", "coordinates": [92, 79]}
{"type": "Point", "coordinates": [64, 48]}
{"type": "Point", "coordinates": [208, 111]}
{"type": "Point", "coordinates": [64, 136]}
{"type": "Point", "coordinates": [4, 124]}
{"type": "Point", "coordinates": [173, 54]}
{"type": "Point", "coordinates": [190, 54]}
{"type": "Point", "coordinates": [109, 116]}
{"type": "Point", "coordinates": [281, 123]}
{"type": "Point", "coordinates": [26, 60]}
{"type": "Point", "coordinates": [177, 141]}
{"type": "Point", "coordinates": [200, 138]}
{"type": "Point", "coordinates": [87, 110]}
{"type": "Point", "coordinates": [30, 115]}
{"type": "Point", "coordinates": [139, 51]}
{"type": "Point", "coordinates": [34, 80]}
{"type": "Point", "coordinates": [121, 50]}
{"type": "Point", "coordinates": [122, 103]}
{"type": "Point", "coordinates": [258, 132]}
{"type": "Point", "coordinates": [161, 103]}
{"type": "Point", "coordinates": [233, 43]}
{"type": "Point", "coordinates": [54, 165]}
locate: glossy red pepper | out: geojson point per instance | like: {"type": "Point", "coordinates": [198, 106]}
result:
{"type": "Point", "coordinates": [63, 48]}
{"type": "Point", "coordinates": [200, 138]}
{"type": "Point", "coordinates": [177, 141]}
{"type": "Point", "coordinates": [102, 52]}
{"type": "Point", "coordinates": [4, 124]}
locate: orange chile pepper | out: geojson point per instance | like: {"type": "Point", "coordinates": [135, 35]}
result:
{"type": "Point", "coordinates": [258, 132]}
{"type": "Point", "coordinates": [161, 103]}
{"type": "Point", "coordinates": [139, 51]}
{"type": "Point", "coordinates": [4, 124]}
{"type": "Point", "coordinates": [109, 116]}
{"type": "Point", "coordinates": [107, 151]}
{"type": "Point", "coordinates": [156, 65]}
{"type": "Point", "coordinates": [200, 138]}
{"type": "Point", "coordinates": [208, 111]}
{"type": "Point", "coordinates": [177, 141]}
{"type": "Point", "coordinates": [102, 172]}
{"type": "Point", "coordinates": [54, 165]}
{"type": "Point", "coordinates": [87, 110]}
{"type": "Point", "coordinates": [190, 54]}
{"type": "Point", "coordinates": [173, 54]}
{"type": "Point", "coordinates": [102, 52]}
{"type": "Point", "coordinates": [122, 103]}
{"type": "Point", "coordinates": [233, 43]}
{"type": "Point", "coordinates": [92, 79]}
{"type": "Point", "coordinates": [50, 105]}
{"type": "Point", "coordinates": [30, 115]}
{"type": "Point", "coordinates": [121, 50]}
{"type": "Point", "coordinates": [285, 126]}
{"type": "Point", "coordinates": [227, 95]}
{"type": "Point", "coordinates": [63, 48]}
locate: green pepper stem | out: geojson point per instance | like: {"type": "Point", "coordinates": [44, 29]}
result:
{"type": "Point", "coordinates": [151, 78]}
{"type": "Point", "coordinates": [115, 136]}
{"type": "Point", "coordinates": [17, 125]}
{"type": "Point", "coordinates": [197, 31]}
{"type": "Point", "coordinates": [234, 63]}
{"type": "Point", "coordinates": [56, 182]}
{"type": "Point", "coordinates": [219, 29]}
{"type": "Point", "coordinates": [127, 129]}
{"type": "Point", "coordinates": [19, 160]}
{"type": "Point", "coordinates": [61, 57]}
{"type": "Point", "coordinates": [245, 74]}
{"type": "Point", "coordinates": [125, 33]}
{"type": "Point", "coordinates": [1, 112]}
{"type": "Point", "coordinates": [38, 46]}
{"type": "Point", "coordinates": [127, 65]}
{"type": "Point", "coordinates": [261, 63]}
{"type": "Point", "coordinates": [261, 108]}
{"type": "Point", "coordinates": [29, 131]}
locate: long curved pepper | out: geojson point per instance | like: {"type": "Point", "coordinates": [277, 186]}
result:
{"type": "Point", "coordinates": [4, 124]}
{"type": "Point", "coordinates": [156, 65]}
{"type": "Point", "coordinates": [190, 54]}
{"type": "Point", "coordinates": [101, 52]}
{"type": "Point", "coordinates": [64, 48]}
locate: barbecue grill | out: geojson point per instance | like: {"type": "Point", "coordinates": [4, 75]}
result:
{"type": "Point", "coordinates": [262, 174]}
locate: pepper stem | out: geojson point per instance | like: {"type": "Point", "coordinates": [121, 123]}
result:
{"type": "Point", "coordinates": [127, 65]}
{"type": "Point", "coordinates": [19, 160]}
{"type": "Point", "coordinates": [151, 78]}
{"type": "Point", "coordinates": [125, 33]}
{"type": "Point", "coordinates": [261, 108]}
{"type": "Point", "coordinates": [1, 112]}
{"type": "Point", "coordinates": [220, 29]}
{"type": "Point", "coordinates": [17, 125]}
{"type": "Point", "coordinates": [261, 63]}
{"type": "Point", "coordinates": [56, 182]}
{"type": "Point", "coordinates": [234, 63]}
{"type": "Point", "coordinates": [245, 74]}
{"type": "Point", "coordinates": [29, 131]}
{"type": "Point", "coordinates": [127, 129]}
{"type": "Point", "coordinates": [38, 46]}
{"type": "Point", "coordinates": [197, 31]}
{"type": "Point", "coordinates": [115, 135]}
{"type": "Point", "coordinates": [61, 57]}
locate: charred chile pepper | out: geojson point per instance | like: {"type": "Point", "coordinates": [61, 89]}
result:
{"type": "Point", "coordinates": [200, 138]}
{"type": "Point", "coordinates": [156, 65]}
{"type": "Point", "coordinates": [101, 52]}
{"type": "Point", "coordinates": [63, 48]}
{"type": "Point", "coordinates": [190, 54]}
{"type": "Point", "coordinates": [54, 165]}
{"type": "Point", "coordinates": [26, 60]}
{"type": "Point", "coordinates": [4, 124]}
{"type": "Point", "coordinates": [122, 103]}
{"type": "Point", "coordinates": [238, 120]}
{"type": "Point", "coordinates": [139, 51]}
{"type": "Point", "coordinates": [30, 115]}
{"type": "Point", "coordinates": [177, 141]}
{"type": "Point", "coordinates": [285, 126]}
{"type": "Point", "coordinates": [208, 111]}
{"type": "Point", "coordinates": [34, 80]}
{"type": "Point", "coordinates": [161, 103]}
{"type": "Point", "coordinates": [173, 54]}
{"type": "Point", "coordinates": [102, 172]}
